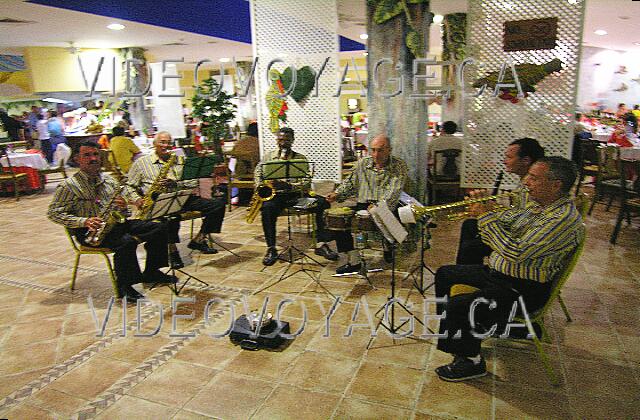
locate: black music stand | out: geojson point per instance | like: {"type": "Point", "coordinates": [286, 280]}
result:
{"type": "Point", "coordinates": [168, 206]}
{"type": "Point", "coordinates": [196, 167]}
{"type": "Point", "coordinates": [294, 169]}
{"type": "Point", "coordinates": [418, 272]}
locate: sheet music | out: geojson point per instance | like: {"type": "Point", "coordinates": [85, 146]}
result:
{"type": "Point", "coordinates": [387, 223]}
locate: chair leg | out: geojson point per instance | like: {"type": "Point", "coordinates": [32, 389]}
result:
{"type": "Point", "coordinates": [610, 202]}
{"type": "Point", "coordinates": [564, 309]}
{"type": "Point", "coordinates": [546, 362]}
{"type": "Point", "coordinates": [616, 229]}
{"type": "Point", "coordinates": [15, 190]}
{"type": "Point", "coordinates": [229, 190]}
{"type": "Point", "coordinates": [75, 270]}
{"type": "Point", "coordinates": [114, 280]}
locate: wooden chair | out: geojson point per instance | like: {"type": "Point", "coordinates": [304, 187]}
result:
{"type": "Point", "coordinates": [60, 169]}
{"type": "Point", "coordinates": [608, 177]}
{"type": "Point", "coordinates": [80, 249]}
{"type": "Point", "coordinates": [588, 155]}
{"type": "Point", "coordinates": [630, 195]}
{"type": "Point", "coordinates": [444, 174]}
{"type": "Point", "coordinates": [9, 177]}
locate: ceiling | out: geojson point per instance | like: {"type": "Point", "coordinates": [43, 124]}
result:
{"type": "Point", "coordinates": [59, 27]}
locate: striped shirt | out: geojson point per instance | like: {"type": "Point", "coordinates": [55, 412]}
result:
{"type": "Point", "coordinates": [370, 184]}
{"type": "Point", "coordinates": [145, 171]}
{"type": "Point", "coordinates": [532, 243]}
{"type": "Point", "coordinates": [78, 198]}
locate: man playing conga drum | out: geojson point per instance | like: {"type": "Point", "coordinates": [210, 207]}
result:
{"type": "Point", "coordinates": [379, 176]}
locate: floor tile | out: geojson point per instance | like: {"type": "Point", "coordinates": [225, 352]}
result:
{"type": "Point", "coordinates": [130, 407]}
{"type": "Point", "coordinates": [281, 404]}
{"type": "Point", "coordinates": [384, 383]}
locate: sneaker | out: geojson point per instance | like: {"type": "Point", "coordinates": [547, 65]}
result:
{"type": "Point", "coordinates": [461, 369]}
{"type": "Point", "coordinates": [202, 247]}
{"type": "Point", "coordinates": [175, 261]}
{"type": "Point", "coordinates": [349, 269]}
{"type": "Point", "coordinates": [326, 252]}
{"type": "Point", "coordinates": [158, 277]}
{"type": "Point", "coordinates": [270, 257]}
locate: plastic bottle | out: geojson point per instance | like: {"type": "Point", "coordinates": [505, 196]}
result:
{"type": "Point", "coordinates": [361, 240]}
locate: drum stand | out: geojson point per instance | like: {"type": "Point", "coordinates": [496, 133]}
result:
{"type": "Point", "coordinates": [291, 254]}
{"type": "Point", "coordinates": [388, 320]}
{"type": "Point", "coordinates": [417, 273]}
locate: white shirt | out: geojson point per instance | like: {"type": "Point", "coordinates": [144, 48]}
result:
{"type": "Point", "coordinates": [43, 130]}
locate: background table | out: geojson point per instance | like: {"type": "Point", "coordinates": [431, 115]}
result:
{"type": "Point", "coordinates": [28, 163]}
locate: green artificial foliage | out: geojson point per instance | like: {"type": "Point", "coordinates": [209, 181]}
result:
{"type": "Point", "coordinates": [305, 81]}
{"type": "Point", "coordinates": [215, 111]}
{"type": "Point", "coordinates": [385, 10]}
{"type": "Point", "coordinates": [454, 36]}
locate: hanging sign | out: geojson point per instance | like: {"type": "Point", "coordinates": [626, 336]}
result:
{"type": "Point", "coordinates": [531, 34]}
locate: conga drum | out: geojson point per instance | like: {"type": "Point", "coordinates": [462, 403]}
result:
{"type": "Point", "coordinates": [338, 219]}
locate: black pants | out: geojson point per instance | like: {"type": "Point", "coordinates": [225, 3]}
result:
{"type": "Point", "coordinates": [344, 239]}
{"type": "Point", "coordinates": [271, 209]}
{"type": "Point", "coordinates": [503, 289]}
{"type": "Point", "coordinates": [471, 249]}
{"type": "Point", "coordinates": [211, 209]}
{"type": "Point", "coordinates": [121, 240]}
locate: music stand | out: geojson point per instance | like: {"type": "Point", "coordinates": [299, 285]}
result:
{"type": "Point", "coordinates": [196, 167]}
{"type": "Point", "coordinates": [168, 206]}
{"type": "Point", "coordinates": [292, 170]}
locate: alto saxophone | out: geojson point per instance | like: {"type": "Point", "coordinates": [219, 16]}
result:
{"type": "Point", "coordinates": [156, 188]}
{"type": "Point", "coordinates": [264, 192]}
{"type": "Point", "coordinates": [451, 211]}
{"type": "Point", "coordinates": [110, 217]}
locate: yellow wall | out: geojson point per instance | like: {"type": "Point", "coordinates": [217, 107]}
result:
{"type": "Point", "coordinates": [56, 70]}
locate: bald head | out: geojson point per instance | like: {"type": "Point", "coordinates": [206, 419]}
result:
{"type": "Point", "coordinates": [380, 150]}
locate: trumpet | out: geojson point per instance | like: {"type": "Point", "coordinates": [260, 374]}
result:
{"type": "Point", "coordinates": [451, 211]}
{"type": "Point", "coordinates": [264, 192]}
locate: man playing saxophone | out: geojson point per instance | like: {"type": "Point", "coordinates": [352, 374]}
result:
{"type": "Point", "coordinates": [79, 202]}
{"type": "Point", "coordinates": [287, 197]}
{"type": "Point", "coordinates": [146, 172]}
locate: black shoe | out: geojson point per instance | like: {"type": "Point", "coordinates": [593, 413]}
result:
{"type": "Point", "coordinates": [462, 369]}
{"type": "Point", "coordinates": [158, 277]}
{"type": "Point", "coordinates": [326, 252]}
{"type": "Point", "coordinates": [270, 257]}
{"type": "Point", "coordinates": [175, 260]}
{"type": "Point", "coordinates": [202, 247]}
{"type": "Point", "coordinates": [388, 256]}
{"type": "Point", "coordinates": [131, 294]}
{"type": "Point", "coordinates": [349, 269]}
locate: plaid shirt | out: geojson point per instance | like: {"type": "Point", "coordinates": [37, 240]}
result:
{"type": "Point", "coordinates": [535, 242]}
{"type": "Point", "coordinates": [78, 198]}
{"type": "Point", "coordinates": [370, 184]}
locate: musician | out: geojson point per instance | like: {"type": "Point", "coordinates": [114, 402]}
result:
{"type": "Point", "coordinates": [142, 175]}
{"type": "Point", "coordinates": [530, 246]}
{"type": "Point", "coordinates": [518, 158]}
{"type": "Point", "coordinates": [374, 178]}
{"type": "Point", "coordinates": [272, 208]}
{"type": "Point", "coordinates": [77, 205]}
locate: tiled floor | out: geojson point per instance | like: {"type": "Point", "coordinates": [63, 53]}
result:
{"type": "Point", "coordinates": [54, 365]}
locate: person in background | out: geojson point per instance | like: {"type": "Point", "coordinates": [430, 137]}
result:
{"type": "Point", "coordinates": [446, 140]}
{"type": "Point", "coordinates": [619, 136]}
{"type": "Point", "coordinates": [56, 130]}
{"type": "Point", "coordinates": [636, 111]}
{"type": "Point", "coordinates": [622, 109]}
{"type": "Point", "coordinates": [44, 137]}
{"type": "Point", "coordinates": [32, 118]}
{"type": "Point", "coordinates": [11, 125]}
{"type": "Point", "coordinates": [124, 150]}
{"type": "Point", "coordinates": [247, 154]}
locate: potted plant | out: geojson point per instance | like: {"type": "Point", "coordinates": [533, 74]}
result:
{"type": "Point", "coordinates": [214, 110]}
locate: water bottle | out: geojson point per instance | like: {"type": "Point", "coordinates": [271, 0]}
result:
{"type": "Point", "coordinates": [361, 240]}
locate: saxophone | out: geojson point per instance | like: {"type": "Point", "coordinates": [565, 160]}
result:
{"type": "Point", "coordinates": [156, 188]}
{"type": "Point", "coordinates": [264, 192]}
{"type": "Point", "coordinates": [110, 217]}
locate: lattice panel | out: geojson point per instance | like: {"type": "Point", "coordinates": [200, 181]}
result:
{"type": "Point", "coordinates": [302, 34]}
{"type": "Point", "coordinates": [546, 115]}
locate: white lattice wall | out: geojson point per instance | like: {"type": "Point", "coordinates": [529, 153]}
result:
{"type": "Point", "coordinates": [547, 114]}
{"type": "Point", "coordinates": [302, 33]}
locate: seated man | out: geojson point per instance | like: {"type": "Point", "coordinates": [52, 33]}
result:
{"type": "Point", "coordinates": [271, 209]}
{"type": "Point", "coordinates": [145, 171]}
{"type": "Point", "coordinates": [247, 154]}
{"type": "Point", "coordinates": [530, 248]}
{"type": "Point", "coordinates": [518, 158]}
{"type": "Point", "coordinates": [446, 140]}
{"type": "Point", "coordinates": [374, 178]}
{"type": "Point", "coordinates": [124, 149]}
{"type": "Point", "coordinates": [79, 203]}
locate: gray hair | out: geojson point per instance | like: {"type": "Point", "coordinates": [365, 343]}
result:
{"type": "Point", "coordinates": [560, 169]}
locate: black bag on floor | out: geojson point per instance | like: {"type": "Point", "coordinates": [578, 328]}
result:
{"type": "Point", "coordinates": [270, 334]}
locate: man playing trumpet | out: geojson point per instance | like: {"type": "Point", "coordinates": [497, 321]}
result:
{"type": "Point", "coordinates": [145, 172]}
{"type": "Point", "coordinates": [287, 197]}
{"type": "Point", "coordinates": [379, 176]}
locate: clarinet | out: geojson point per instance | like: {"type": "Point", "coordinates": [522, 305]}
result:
{"type": "Point", "coordinates": [496, 184]}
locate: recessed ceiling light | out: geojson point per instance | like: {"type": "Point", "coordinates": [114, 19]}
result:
{"type": "Point", "coordinates": [365, 53]}
{"type": "Point", "coordinates": [438, 18]}
{"type": "Point", "coordinates": [624, 17]}
{"type": "Point", "coordinates": [600, 32]}
{"type": "Point", "coordinates": [225, 60]}
{"type": "Point", "coordinates": [364, 36]}
{"type": "Point", "coordinates": [116, 26]}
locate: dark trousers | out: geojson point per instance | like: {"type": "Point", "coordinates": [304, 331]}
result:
{"type": "Point", "coordinates": [211, 209]}
{"type": "Point", "coordinates": [271, 209]}
{"type": "Point", "coordinates": [45, 146]}
{"type": "Point", "coordinates": [344, 239]}
{"type": "Point", "coordinates": [471, 249]}
{"type": "Point", "coordinates": [503, 289]}
{"type": "Point", "coordinates": [121, 240]}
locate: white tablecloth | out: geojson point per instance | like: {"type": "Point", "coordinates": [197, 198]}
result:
{"type": "Point", "coordinates": [630, 153]}
{"type": "Point", "coordinates": [30, 160]}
